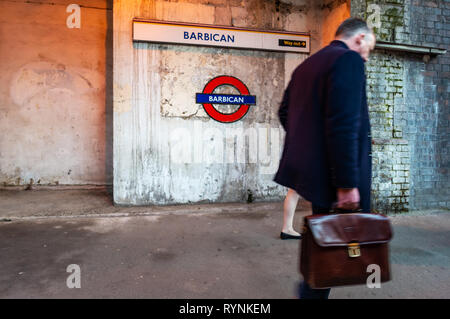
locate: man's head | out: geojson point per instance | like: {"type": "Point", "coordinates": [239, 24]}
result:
{"type": "Point", "coordinates": [357, 35]}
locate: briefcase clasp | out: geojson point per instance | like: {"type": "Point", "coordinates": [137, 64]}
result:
{"type": "Point", "coordinates": [354, 250]}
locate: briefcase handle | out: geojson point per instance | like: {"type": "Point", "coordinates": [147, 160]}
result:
{"type": "Point", "coordinates": [336, 210]}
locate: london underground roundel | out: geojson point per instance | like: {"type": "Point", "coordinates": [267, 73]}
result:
{"type": "Point", "coordinates": [243, 100]}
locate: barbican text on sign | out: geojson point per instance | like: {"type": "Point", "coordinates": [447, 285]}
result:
{"type": "Point", "coordinates": [219, 36]}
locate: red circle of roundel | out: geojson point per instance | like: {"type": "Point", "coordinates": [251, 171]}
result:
{"type": "Point", "coordinates": [222, 117]}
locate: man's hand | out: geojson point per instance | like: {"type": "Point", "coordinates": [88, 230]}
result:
{"type": "Point", "coordinates": [348, 198]}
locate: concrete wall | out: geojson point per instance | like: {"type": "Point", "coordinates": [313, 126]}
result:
{"type": "Point", "coordinates": [54, 93]}
{"type": "Point", "coordinates": [56, 96]}
{"type": "Point", "coordinates": [333, 13]}
{"type": "Point", "coordinates": [166, 149]}
{"type": "Point", "coordinates": [408, 100]}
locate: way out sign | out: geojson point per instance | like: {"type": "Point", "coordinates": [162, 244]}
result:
{"type": "Point", "coordinates": [242, 101]}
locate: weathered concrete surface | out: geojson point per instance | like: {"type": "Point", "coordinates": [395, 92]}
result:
{"type": "Point", "coordinates": [223, 251]}
{"type": "Point", "coordinates": [166, 149]}
{"type": "Point", "coordinates": [55, 86]}
{"type": "Point", "coordinates": [97, 202]}
{"type": "Point", "coordinates": [334, 12]}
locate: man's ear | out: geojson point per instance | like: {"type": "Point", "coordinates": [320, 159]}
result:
{"type": "Point", "coordinates": [359, 38]}
{"type": "Point", "coordinates": [374, 41]}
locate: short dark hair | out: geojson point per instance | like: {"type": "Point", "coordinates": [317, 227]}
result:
{"type": "Point", "coordinates": [351, 26]}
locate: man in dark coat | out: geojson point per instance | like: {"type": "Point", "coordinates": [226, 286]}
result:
{"type": "Point", "coordinates": [326, 157]}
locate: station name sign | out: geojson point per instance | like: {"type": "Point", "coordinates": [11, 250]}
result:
{"type": "Point", "coordinates": [227, 37]}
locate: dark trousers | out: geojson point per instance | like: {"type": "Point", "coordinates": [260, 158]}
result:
{"type": "Point", "coordinates": [305, 291]}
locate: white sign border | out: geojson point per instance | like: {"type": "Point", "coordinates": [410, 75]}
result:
{"type": "Point", "coordinates": [256, 39]}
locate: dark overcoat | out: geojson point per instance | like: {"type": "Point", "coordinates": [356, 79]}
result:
{"type": "Point", "coordinates": [325, 115]}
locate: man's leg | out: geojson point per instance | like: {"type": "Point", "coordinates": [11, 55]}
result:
{"type": "Point", "coordinates": [305, 291]}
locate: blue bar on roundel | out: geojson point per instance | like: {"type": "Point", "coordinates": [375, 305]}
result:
{"type": "Point", "coordinates": [225, 99]}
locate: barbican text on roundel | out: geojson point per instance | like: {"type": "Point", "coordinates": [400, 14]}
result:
{"type": "Point", "coordinates": [215, 37]}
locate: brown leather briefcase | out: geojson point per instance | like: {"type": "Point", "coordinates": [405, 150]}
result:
{"type": "Point", "coordinates": [337, 249]}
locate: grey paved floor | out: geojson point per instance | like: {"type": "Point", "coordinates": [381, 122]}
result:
{"type": "Point", "coordinates": [198, 251]}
